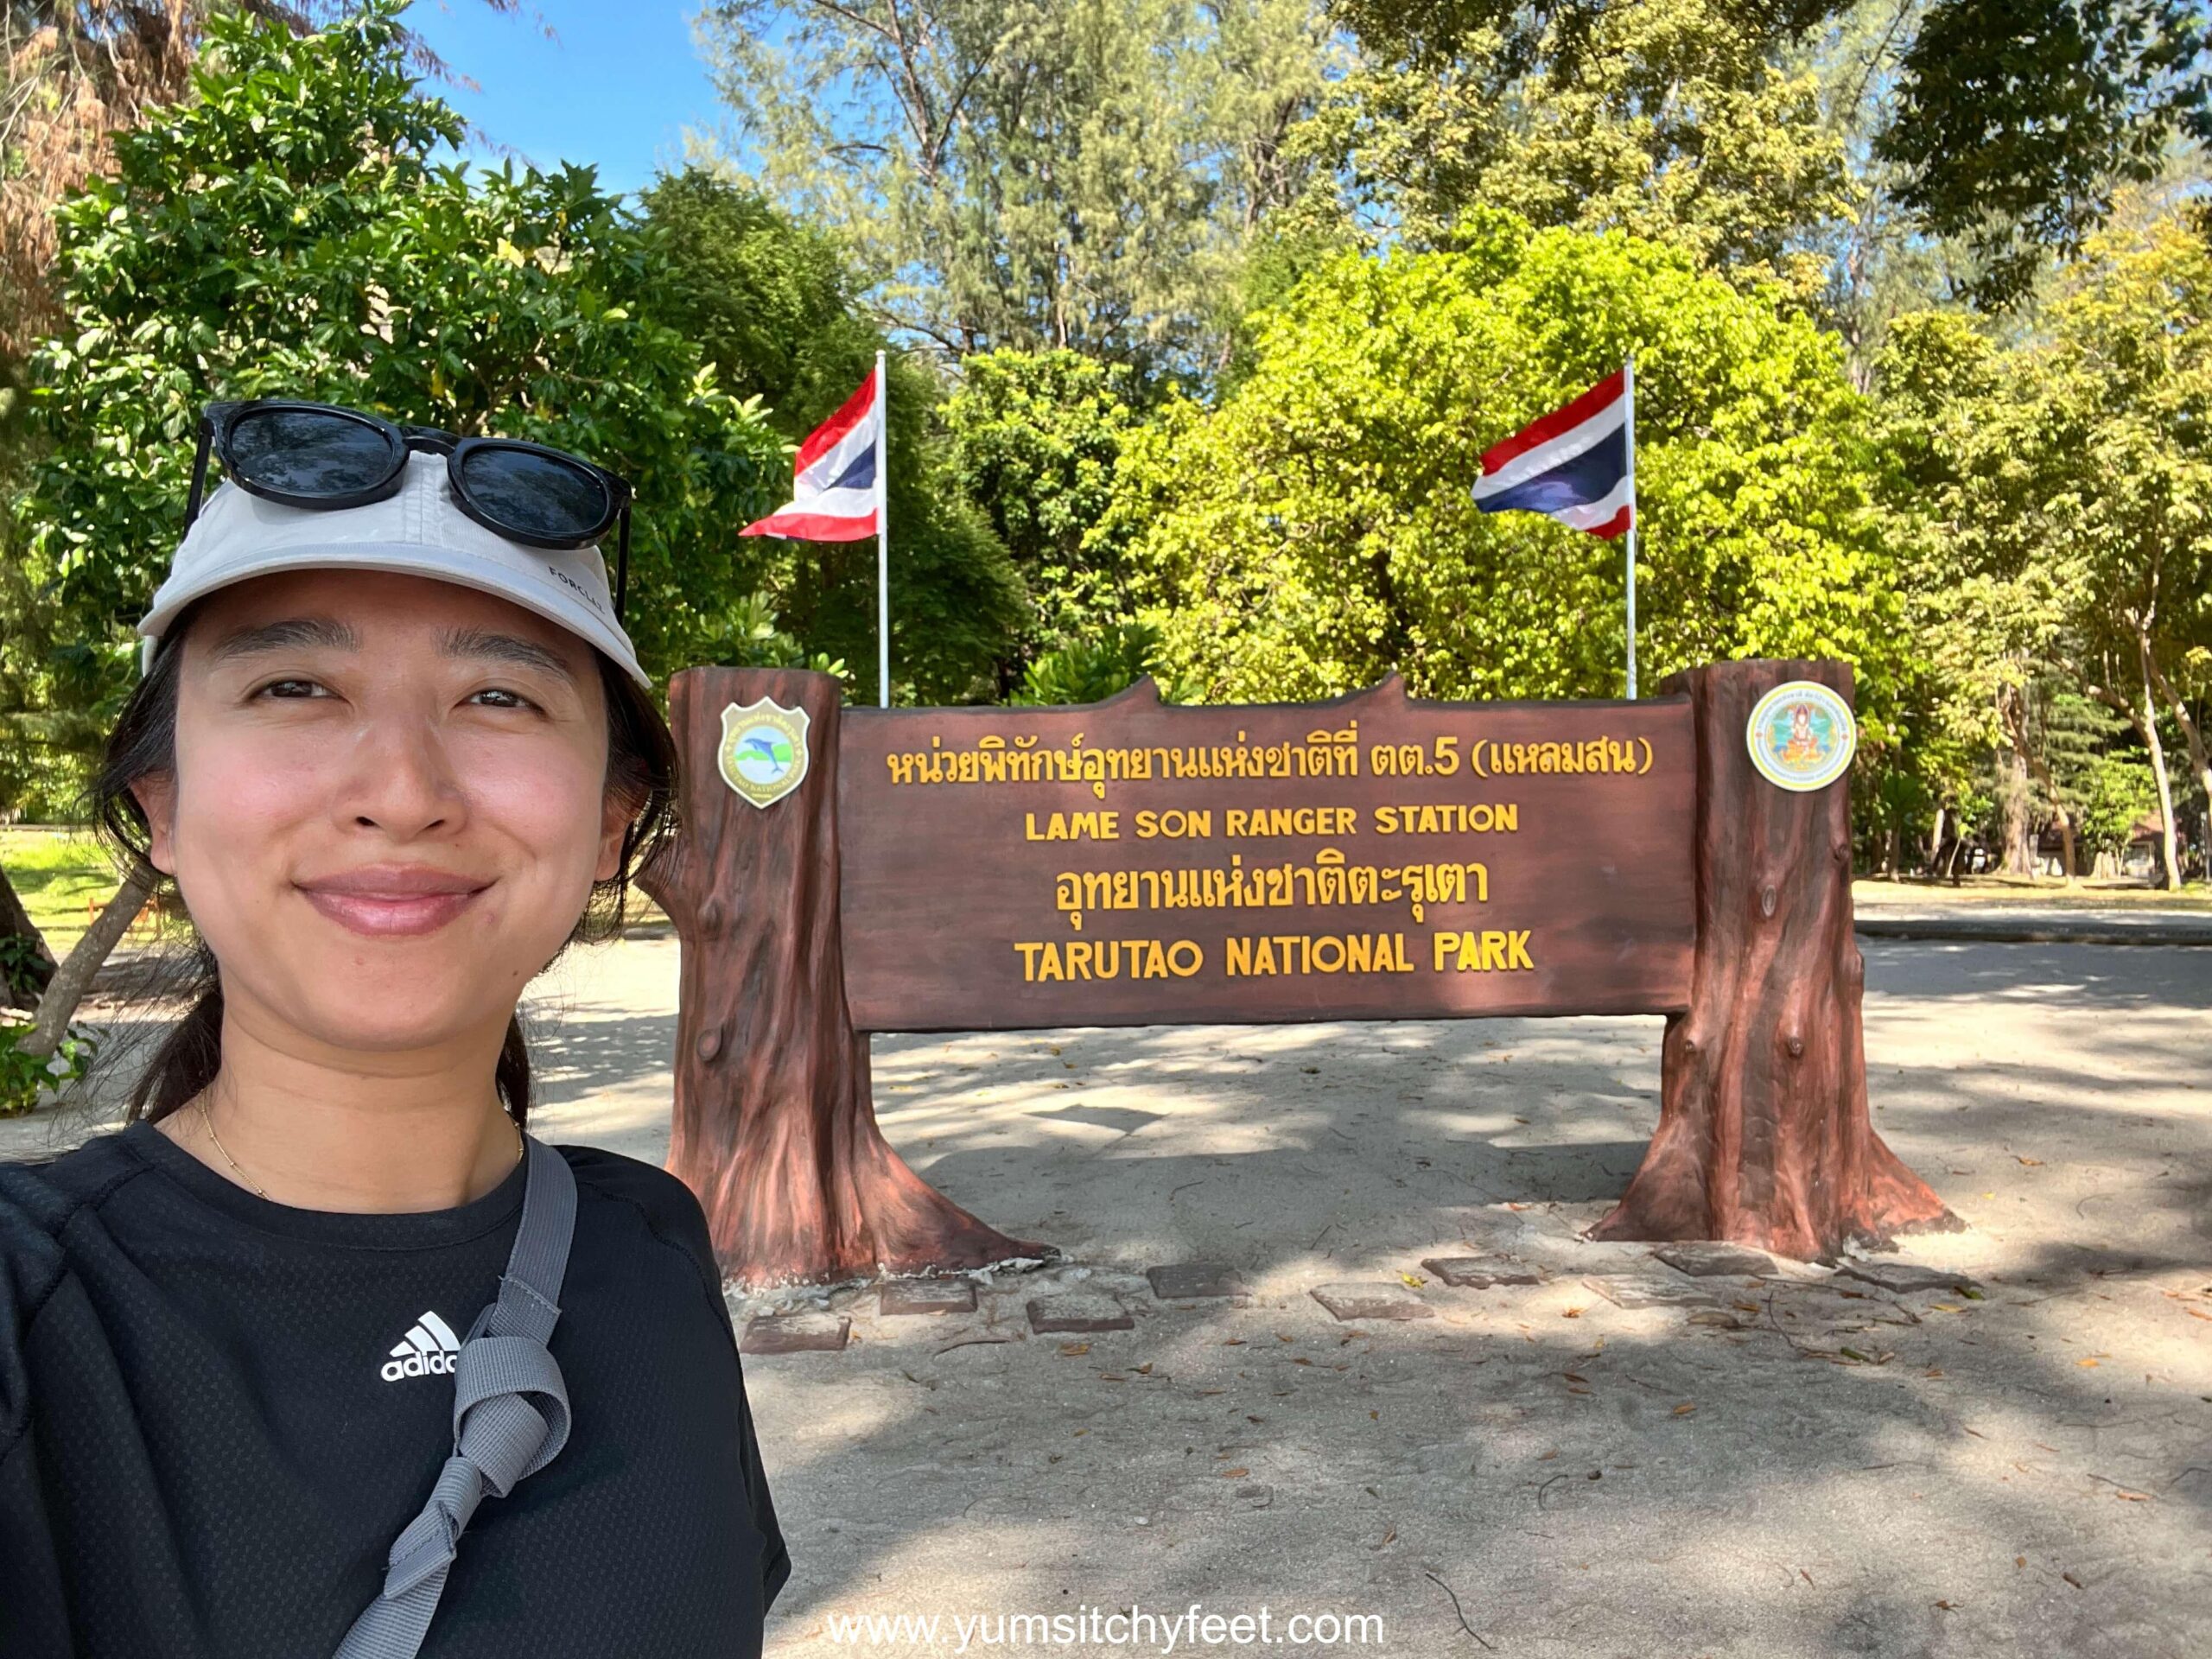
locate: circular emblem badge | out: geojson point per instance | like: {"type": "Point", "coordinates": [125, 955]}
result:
{"type": "Point", "coordinates": [1802, 735]}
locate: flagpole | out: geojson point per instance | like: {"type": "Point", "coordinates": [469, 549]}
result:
{"type": "Point", "coordinates": [883, 542]}
{"type": "Point", "coordinates": [1628, 420]}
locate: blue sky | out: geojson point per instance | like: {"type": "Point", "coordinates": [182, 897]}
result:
{"type": "Point", "coordinates": [616, 87]}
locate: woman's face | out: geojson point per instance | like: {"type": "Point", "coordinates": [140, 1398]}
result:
{"type": "Point", "coordinates": [388, 804]}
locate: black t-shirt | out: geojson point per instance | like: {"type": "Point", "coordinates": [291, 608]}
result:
{"type": "Point", "coordinates": [217, 1412]}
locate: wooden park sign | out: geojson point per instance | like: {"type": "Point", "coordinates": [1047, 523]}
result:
{"type": "Point", "coordinates": [844, 871]}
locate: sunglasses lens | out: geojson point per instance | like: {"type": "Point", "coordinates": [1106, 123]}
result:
{"type": "Point", "coordinates": [534, 494]}
{"type": "Point", "coordinates": [305, 452]}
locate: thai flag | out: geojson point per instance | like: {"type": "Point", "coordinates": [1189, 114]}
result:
{"type": "Point", "coordinates": [1577, 464]}
{"type": "Point", "coordinates": [836, 486]}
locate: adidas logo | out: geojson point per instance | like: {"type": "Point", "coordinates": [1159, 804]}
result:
{"type": "Point", "coordinates": [427, 1349]}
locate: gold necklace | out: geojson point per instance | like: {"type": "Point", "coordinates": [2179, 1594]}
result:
{"type": "Point", "coordinates": [521, 1146]}
{"type": "Point", "coordinates": [209, 1124]}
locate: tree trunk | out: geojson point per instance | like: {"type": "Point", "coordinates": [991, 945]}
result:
{"type": "Point", "coordinates": [74, 978]}
{"type": "Point", "coordinates": [2146, 723]}
{"type": "Point", "coordinates": [774, 1128]}
{"type": "Point", "coordinates": [1935, 846]}
{"type": "Point", "coordinates": [1764, 1135]}
{"type": "Point", "coordinates": [2058, 817]}
{"type": "Point", "coordinates": [2019, 829]}
{"type": "Point", "coordinates": [15, 922]}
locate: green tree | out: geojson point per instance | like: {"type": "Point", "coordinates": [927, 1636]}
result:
{"type": "Point", "coordinates": [1036, 440]}
{"type": "Point", "coordinates": [2130, 381]}
{"type": "Point", "coordinates": [1031, 174]}
{"type": "Point", "coordinates": [1316, 529]}
{"type": "Point", "coordinates": [2009, 123]}
{"type": "Point", "coordinates": [1964, 487]}
{"type": "Point", "coordinates": [2052, 504]}
{"type": "Point", "coordinates": [1667, 118]}
{"type": "Point", "coordinates": [771, 304]}
{"type": "Point", "coordinates": [285, 233]}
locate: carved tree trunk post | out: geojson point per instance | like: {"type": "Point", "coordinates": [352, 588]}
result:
{"type": "Point", "coordinates": [1764, 1136]}
{"type": "Point", "coordinates": [774, 1126]}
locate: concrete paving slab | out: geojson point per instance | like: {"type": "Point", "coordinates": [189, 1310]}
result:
{"type": "Point", "coordinates": [1188, 1280]}
{"type": "Point", "coordinates": [794, 1333]}
{"type": "Point", "coordinates": [904, 1298]}
{"type": "Point", "coordinates": [1479, 1272]}
{"type": "Point", "coordinates": [1077, 1310]}
{"type": "Point", "coordinates": [1706, 1260]}
{"type": "Point", "coordinates": [1350, 1301]}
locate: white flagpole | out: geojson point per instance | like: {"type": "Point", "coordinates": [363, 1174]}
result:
{"type": "Point", "coordinates": [883, 543]}
{"type": "Point", "coordinates": [1628, 421]}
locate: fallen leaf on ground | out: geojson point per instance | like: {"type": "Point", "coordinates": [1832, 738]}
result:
{"type": "Point", "coordinates": [1235, 1474]}
{"type": "Point", "coordinates": [1072, 1349]}
{"type": "Point", "coordinates": [1684, 1410]}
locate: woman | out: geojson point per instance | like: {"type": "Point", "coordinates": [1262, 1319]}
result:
{"type": "Point", "coordinates": [395, 749]}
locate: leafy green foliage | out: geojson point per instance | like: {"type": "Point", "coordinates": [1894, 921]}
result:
{"type": "Point", "coordinates": [771, 304]}
{"type": "Point", "coordinates": [2117, 793]}
{"type": "Point", "coordinates": [751, 636]}
{"type": "Point", "coordinates": [1317, 529]}
{"type": "Point", "coordinates": [1035, 441]}
{"type": "Point", "coordinates": [1094, 669]}
{"type": "Point", "coordinates": [2010, 122]}
{"type": "Point", "coordinates": [1030, 174]}
{"type": "Point", "coordinates": [284, 233]}
{"type": "Point", "coordinates": [1668, 118]}
{"type": "Point", "coordinates": [2017, 119]}
{"type": "Point", "coordinates": [2052, 500]}
{"type": "Point", "coordinates": [25, 1079]}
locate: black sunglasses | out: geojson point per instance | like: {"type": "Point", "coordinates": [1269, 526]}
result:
{"type": "Point", "coordinates": [322, 455]}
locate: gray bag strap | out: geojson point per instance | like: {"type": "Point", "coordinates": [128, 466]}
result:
{"type": "Point", "coordinates": [510, 1414]}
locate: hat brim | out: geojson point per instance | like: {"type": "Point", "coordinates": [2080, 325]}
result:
{"type": "Point", "coordinates": [544, 595]}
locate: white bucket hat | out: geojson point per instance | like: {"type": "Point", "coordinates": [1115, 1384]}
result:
{"type": "Point", "coordinates": [418, 531]}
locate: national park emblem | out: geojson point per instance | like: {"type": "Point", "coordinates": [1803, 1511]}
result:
{"type": "Point", "coordinates": [762, 751]}
{"type": "Point", "coordinates": [1802, 735]}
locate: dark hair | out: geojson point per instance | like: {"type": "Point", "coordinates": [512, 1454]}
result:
{"type": "Point", "coordinates": [641, 762]}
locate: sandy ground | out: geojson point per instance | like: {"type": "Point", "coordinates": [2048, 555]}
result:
{"type": "Point", "coordinates": [1804, 1466]}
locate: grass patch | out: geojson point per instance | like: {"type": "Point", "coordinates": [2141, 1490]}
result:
{"type": "Point", "coordinates": [58, 873]}
{"type": "Point", "coordinates": [2043, 893]}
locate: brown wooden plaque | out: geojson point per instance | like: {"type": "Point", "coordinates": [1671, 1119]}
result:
{"type": "Point", "coordinates": [1373, 858]}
